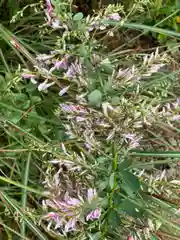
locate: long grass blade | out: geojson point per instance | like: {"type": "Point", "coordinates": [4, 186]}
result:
{"type": "Point", "coordinates": [29, 223]}
{"type": "Point", "coordinates": [24, 193]}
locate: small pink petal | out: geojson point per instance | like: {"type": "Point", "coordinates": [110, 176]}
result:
{"type": "Point", "coordinates": [130, 238]}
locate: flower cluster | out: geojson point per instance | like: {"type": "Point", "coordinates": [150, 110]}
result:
{"type": "Point", "coordinates": [68, 213]}
{"type": "Point", "coordinates": [50, 64]}
{"type": "Point", "coordinates": [97, 22]}
{"type": "Point", "coordinates": [132, 139]}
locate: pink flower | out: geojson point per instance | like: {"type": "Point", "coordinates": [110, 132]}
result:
{"type": "Point", "coordinates": [130, 238]}
{"type": "Point", "coordinates": [95, 214]}
{"type": "Point", "coordinates": [28, 75]}
{"type": "Point", "coordinates": [52, 20]}
{"type": "Point", "coordinates": [49, 11]}
{"type": "Point", "coordinates": [53, 216]}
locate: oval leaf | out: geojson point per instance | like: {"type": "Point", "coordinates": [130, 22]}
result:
{"type": "Point", "coordinates": [95, 98]}
{"type": "Point", "coordinates": [78, 16]}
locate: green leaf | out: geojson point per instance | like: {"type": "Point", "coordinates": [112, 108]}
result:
{"type": "Point", "coordinates": [101, 159]}
{"type": "Point", "coordinates": [114, 219]}
{"type": "Point", "coordinates": [129, 208]}
{"type": "Point", "coordinates": [95, 236]}
{"type": "Point", "coordinates": [130, 183]}
{"type": "Point", "coordinates": [153, 238]}
{"type": "Point", "coordinates": [15, 117]}
{"type": "Point", "coordinates": [125, 163]}
{"type": "Point", "coordinates": [78, 16]}
{"type": "Point", "coordinates": [106, 66]}
{"type": "Point", "coordinates": [8, 77]}
{"type": "Point", "coordinates": [102, 185]}
{"type": "Point", "coordinates": [95, 98]}
{"type": "Point", "coordinates": [2, 82]}
{"type": "Point", "coordinates": [117, 199]}
{"type": "Point", "coordinates": [115, 100]}
{"type": "Point", "coordinates": [35, 99]}
{"type": "Point", "coordinates": [83, 51]}
{"type": "Point", "coordinates": [112, 181]}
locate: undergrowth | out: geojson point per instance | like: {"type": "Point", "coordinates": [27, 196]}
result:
{"type": "Point", "coordinates": [89, 123]}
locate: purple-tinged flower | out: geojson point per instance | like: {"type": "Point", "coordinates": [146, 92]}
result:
{"type": "Point", "coordinates": [92, 26]}
{"type": "Point", "coordinates": [73, 108]}
{"type": "Point", "coordinates": [67, 108]}
{"type": "Point", "coordinates": [49, 11]}
{"type": "Point", "coordinates": [63, 91]}
{"type": "Point", "coordinates": [74, 69]}
{"type": "Point", "coordinates": [176, 118]}
{"type": "Point", "coordinates": [49, 6]}
{"type": "Point", "coordinates": [87, 146]}
{"type": "Point", "coordinates": [114, 16]}
{"type": "Point", "coordinates": [73, 201]}
{"type": "Point", "coordinates": [91, 194]}
{"type": "Point", "coordinates": [70, 225]}
{"type": "Point", "coordinates": [62, 64]}
{"type": "Point", "coordinates": [133, 139]}
{"type": "Point", "coordinates": [176, 104]}
{"type": "Point", "coordinates": [130, 136]}
{"type": "Point", "coordinates": [95, 214]}
{"type": "Point", "coordinates": [28, 75]}
{"type": "Point", "coordinates": [70, 72]}
{"type": "Point", "coordinates": [53, 218]}
{"type": "Point", "coordinates": [52, 20]}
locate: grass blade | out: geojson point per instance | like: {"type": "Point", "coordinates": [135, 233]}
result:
{"type": "Point", "coordinates": [143, 27]}
{"type": "Point", "coordinates": [29, 223]}
{"type": "Point", "coordinates": [8, 180]}
{"type": "Point", "coordinates": [24, 193]}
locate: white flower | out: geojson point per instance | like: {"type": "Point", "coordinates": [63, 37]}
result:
{"type": "Point", "coordinates": [114, 16]}
{"type": "Point", "coordinates": [43, 57]}
{"type": "Point", "coordinates": [56, 24]}
{"type": "Point", "coordinates": [33, 81]}
{"type": "Point", "coordinates": [91, 194]}
{"type": "Point", "coordinates": [44, 86]}
{"type": "Point", "coordinates": [63, 91]}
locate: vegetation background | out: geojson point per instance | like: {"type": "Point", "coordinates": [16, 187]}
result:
{"type": "Point", "coordinates": [89, 119]}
